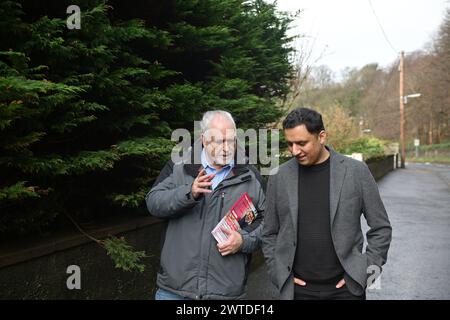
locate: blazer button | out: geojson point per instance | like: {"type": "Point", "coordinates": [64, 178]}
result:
{"type": "Point", "coordinates": [289, 269]}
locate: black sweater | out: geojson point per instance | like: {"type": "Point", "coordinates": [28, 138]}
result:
{"type": "Point", "coordinates": [315, 261]}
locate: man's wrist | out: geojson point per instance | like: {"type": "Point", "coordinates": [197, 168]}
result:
{"type": "Point", "coordinates": [241, 235]}
{"type": "Point", "coordinates": [190, 196]}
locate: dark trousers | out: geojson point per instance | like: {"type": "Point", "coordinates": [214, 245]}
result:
{"type": "Point", "coordinates": [302, 293]}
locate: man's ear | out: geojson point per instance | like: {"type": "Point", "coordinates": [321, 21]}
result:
{"type": "Point", "coordinates": [322, 137]}
{"type": "Point", "coordinates": [203, 140]}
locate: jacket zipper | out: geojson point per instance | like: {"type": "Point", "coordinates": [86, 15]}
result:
{"type": "Point", "coordinates": [202, 206]}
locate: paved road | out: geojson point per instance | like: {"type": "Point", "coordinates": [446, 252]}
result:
{"type": "Point", "coordinates": [417, 200]}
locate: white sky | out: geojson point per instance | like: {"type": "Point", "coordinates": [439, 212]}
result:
{"type": "Point", "coordinates": [348, 34]}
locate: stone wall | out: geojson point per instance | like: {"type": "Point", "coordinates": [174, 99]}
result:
{"type": "Point", "coordinates": [381, 166]}
{"type": "Point", "coordinates": [45, 277]}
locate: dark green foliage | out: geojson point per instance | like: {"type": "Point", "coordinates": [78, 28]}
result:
{"type": "Point", "coordinates": [123, 254]}
{"type": "Point", "coordinates": [86, 115]}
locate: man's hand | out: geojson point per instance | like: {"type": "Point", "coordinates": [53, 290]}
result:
{"type": "Point", "coordinates": [200, 183]}
{"type": "Point", "coordinates": [340, 284]}
{"type": "Point", "coordinates": [232, 245]}
{"type": "Point", "coordinates": [299, 281]}
{"type": "Point", "coordinates": [302, 283]}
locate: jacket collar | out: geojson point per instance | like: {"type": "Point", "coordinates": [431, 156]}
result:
{"type": "Point", "coordinates": [338, 170]}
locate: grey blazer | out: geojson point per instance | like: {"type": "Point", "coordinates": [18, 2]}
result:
{"type": "Point", "coordinates": [353, 191]}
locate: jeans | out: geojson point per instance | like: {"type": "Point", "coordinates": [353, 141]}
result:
{"type": "Point", "coordinates": [162, 294]}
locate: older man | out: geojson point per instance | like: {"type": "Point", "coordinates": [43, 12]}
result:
{"type": "Point", "coordinates": [193, 198]}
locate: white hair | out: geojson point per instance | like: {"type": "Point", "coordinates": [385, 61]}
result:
{"type": "Point", "coordinates": [210, 115]}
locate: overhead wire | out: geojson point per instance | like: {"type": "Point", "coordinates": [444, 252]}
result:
{"type": "Point", "coordinates": [381, 27]}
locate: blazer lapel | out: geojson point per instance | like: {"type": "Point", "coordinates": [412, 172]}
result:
{"type": "Point", "coordinates": [292, 191]}
{"type": "Point", "coordinates": [337, 175]}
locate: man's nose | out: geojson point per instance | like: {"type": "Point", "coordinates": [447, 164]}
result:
{"type": "Point", "coordinates": [225, 146]}
{"type": "Point", "coordinates": [296, 149]}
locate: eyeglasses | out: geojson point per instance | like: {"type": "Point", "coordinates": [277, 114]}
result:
{"type": "Point", "coordinates": [220, 143]}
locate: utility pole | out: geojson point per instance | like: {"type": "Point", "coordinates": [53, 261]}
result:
{"type": "Point", "coordinates": [402, 112]}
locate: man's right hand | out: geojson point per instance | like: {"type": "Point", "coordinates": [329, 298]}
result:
{"type": "Point", "coordinates": [200, 183]}
{"type": "Point", "coordinates": [299, 281]}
